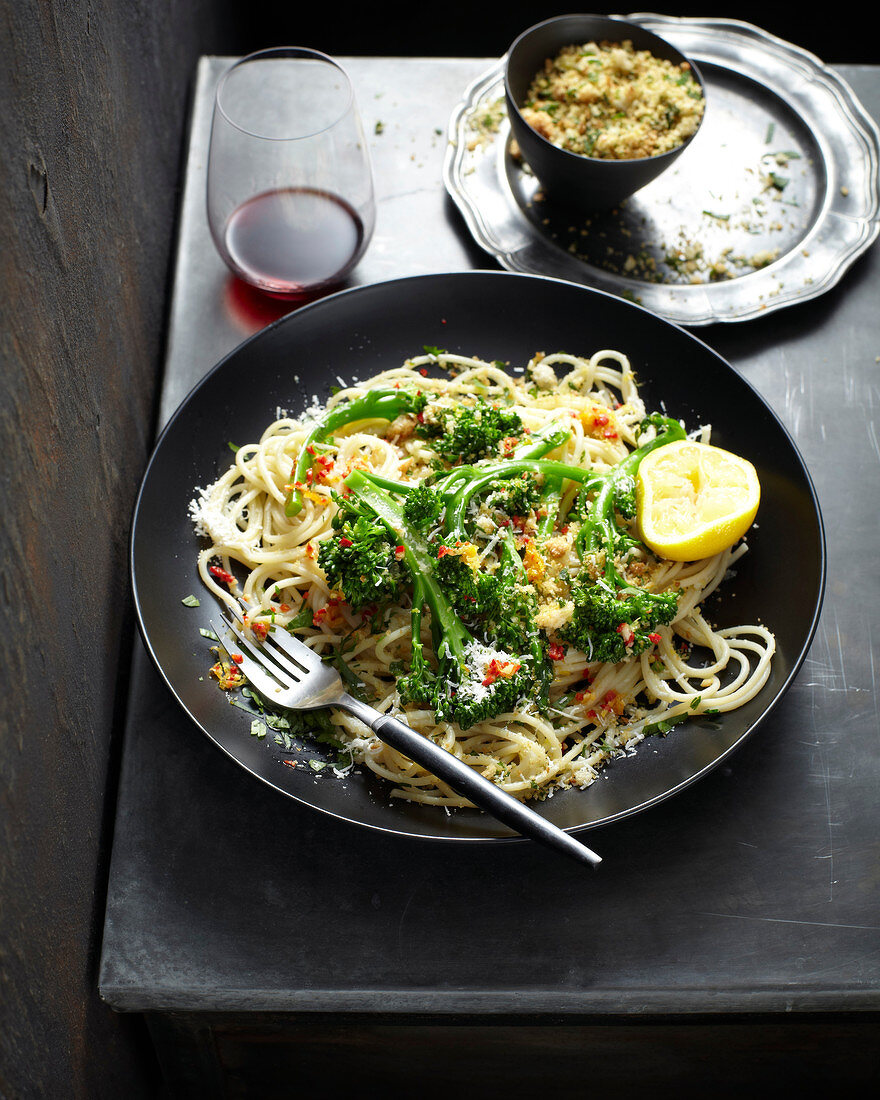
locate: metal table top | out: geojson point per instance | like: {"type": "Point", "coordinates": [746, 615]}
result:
{"type": "Point", "coordinates": [757, 889]}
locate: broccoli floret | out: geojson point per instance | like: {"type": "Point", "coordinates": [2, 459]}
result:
{"type": "Point", "coordinates": [361, 561]}
{"type": "Point", "coordinates": [381, 404]}
{"type": "Point", "coordinates": [625, 496]}
{"type": "Point", "coordinates": [423, 507]}
{"type": "Point", "coordinates": [649, 609]}
{"type": "Point", "coordinates": [471, 592]}
{"type": "Point", "coordinates": [610, 625]}
{"type": "Point", "coordinates": [489, 687]}
{"type": "Point", "coordinates": [516, 496]}
{"type": "Point", "coordinates": [467, 433]}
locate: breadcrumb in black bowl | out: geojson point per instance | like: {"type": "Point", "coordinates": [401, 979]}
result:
{"type": "Point", "coordinates": [599, 107]}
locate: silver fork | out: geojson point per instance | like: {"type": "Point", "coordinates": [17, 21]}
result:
{"type": "Point", "coordinates": [287, 673]}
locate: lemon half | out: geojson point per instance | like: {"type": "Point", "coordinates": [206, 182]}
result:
{"type": "Point", "coordinates": [694, 500]}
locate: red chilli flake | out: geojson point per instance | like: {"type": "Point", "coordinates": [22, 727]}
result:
{"type": "Point", "coordinates": [221, 574]}
{"type": "Point", "coordinates": [345, 542]}
{"type": "Point", "coordinates": [655, 638]}
{"type": "Point", "coordinates": [237, 657]}
{"type": "Point", "coordinates": [556, 652]}
{"type": "Point", "coordinates": [399, 551]}
{"type": "Point", "coordinates": [500, 669]}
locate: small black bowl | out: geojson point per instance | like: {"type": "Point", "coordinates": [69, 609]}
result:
{"type": "Point", "coordinates": [574, 179]}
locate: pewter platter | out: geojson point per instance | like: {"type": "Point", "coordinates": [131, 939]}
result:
{"type": "Point", "coordinates": [771, 204]}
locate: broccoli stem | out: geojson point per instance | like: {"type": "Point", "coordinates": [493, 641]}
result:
{"type": "Point", "coordinates": [550, 501]}
{"type": "Point", "coordinates": [415, 684]}
{"type": "Point", "coordinates": [541, 442]}
{"type": "Point", "coordinates": [379, 404]}
{"type": "Point", "coordinates": [447, 629]}
{"type": "Point", "coordinates": [479, 478]}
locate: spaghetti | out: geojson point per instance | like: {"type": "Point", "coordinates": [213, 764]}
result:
{"type": "Point", "coordinates": [596, 710]}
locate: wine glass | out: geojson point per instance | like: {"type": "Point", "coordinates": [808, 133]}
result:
{"type": "Point", "coordinates": [290, 195]}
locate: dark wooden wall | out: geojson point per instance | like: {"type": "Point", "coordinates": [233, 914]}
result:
{"type": "Point", "coordinates": [92, 111]}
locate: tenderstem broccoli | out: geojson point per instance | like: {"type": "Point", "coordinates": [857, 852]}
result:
{"type": "Point", "coordinates": [489, 653]}
{"type": "Point", "coordinates": [612, 619]}
{"type": "Point", "coordinates": [378, 404]}
{"type": "Point", "coordinates": [470, 682]}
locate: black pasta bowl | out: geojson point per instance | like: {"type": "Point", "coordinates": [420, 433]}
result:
{"type": "Point", "coordinates": [575, 180]}
{"type": "Point", "coordinates": [497, 316]}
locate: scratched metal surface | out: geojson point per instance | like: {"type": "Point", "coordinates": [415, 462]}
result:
{"type": "Point", "coordinates": [755, 890]}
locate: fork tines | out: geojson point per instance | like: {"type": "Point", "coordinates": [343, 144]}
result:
{"type": "Point", "coordinates": [266, 658]}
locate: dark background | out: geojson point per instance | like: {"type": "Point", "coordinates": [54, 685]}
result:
{"type": "Point", "coordinates": [92, 123]}
{"type": "Point", "coordinates": [487, 29]}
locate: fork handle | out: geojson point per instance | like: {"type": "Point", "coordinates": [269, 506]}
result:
{"type": "Point", "coordinates": [468, 782]}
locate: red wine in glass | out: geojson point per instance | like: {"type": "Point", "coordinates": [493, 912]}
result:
{"type": "Point", "coordinates": [294, 240]}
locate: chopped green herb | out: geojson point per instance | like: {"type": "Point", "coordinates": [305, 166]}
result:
{"type": "Point", "coordinates": [285, 740]}
{"type": "Point", "coordinates": [664, 725]}
{"type": "Point", "coordinates": [191, 601]}
{"type": "Point", "coordinates": [304, 617]}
